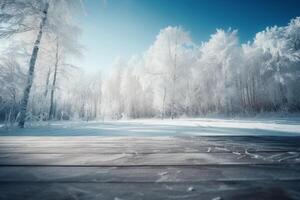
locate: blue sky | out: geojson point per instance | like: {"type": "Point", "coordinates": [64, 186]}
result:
{"type": "Point", "coordinates": [121, 28]}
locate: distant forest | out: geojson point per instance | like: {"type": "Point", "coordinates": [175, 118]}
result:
{"type": "Point", "coordinates": [175, 77]}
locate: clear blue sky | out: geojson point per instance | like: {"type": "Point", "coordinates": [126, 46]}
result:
{"type": "Point", "coordinates": [121, 28]}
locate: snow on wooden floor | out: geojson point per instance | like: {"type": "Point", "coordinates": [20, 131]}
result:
{"type": "Point", "coordinates": [75, 161]}
{"type": "Point", "coordinates": [196, 167]}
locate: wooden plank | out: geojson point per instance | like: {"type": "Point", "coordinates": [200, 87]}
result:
{"type": "Point", "coordinates": [154, 144]}
{"type": "Point", "coordinates": [149, 167]}
{"type": "Point", "coordinates": [150, 174]}
{"type": "Point", "coordinates": [106, 150]}
{"type": "Point", "coordinates": [99, 143]}
{"type": "Point", "coordinates": [140, 150]}
{"type": "Point", "coordinates": [129, 148]}
{"type": "Point", "coordinates": [148, 159]}
{"type": "Point", "coordinates": [248, 139]}
{"type": "Point", "coordinates": [90, 138]}
{"type": "Point", "coordinates": [229, 190]}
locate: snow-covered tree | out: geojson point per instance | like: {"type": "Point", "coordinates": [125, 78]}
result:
{"type": "Point", "coordinates": [174, 77]}
{"type": "Point", "coordinates": [168, 60]}
{"type": "Point", "coordinates": [36, 16]}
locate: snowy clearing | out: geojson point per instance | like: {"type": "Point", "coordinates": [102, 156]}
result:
{"type": "Point", "coordinates": [157, 127]}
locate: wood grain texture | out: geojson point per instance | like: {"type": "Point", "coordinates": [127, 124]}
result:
{"type": "Point", "coordinates": [243, 167]}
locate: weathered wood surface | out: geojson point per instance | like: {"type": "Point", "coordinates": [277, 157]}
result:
{"type": "Point", "coordinates": [116, 168]}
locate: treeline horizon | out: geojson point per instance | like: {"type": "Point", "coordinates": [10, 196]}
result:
{"type": "Point", "coordinates": [175, 77]}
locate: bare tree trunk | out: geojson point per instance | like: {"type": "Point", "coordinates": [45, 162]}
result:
{"type": "Point", "coordinates": [25, 98]}
{"type": "Point", "coordinates": [254, 93]}
{"type": "Point", "coordinates": [173, 101]}
{"type": "Point", "coordinates": [163, 106]}
{"type": "Point", "coordinates": [47, 82]}
{"type": "Point", "coordinates": [96, 108]}
{"type": "Point", "coordinates": [51, 111]}
{"type": "Point", "coordinates": [248, 94]}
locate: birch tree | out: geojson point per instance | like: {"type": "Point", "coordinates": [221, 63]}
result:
{"type": "Point", "coordinates": [168, 60]}
{"type": "Point", "coordinates": [32, 15]}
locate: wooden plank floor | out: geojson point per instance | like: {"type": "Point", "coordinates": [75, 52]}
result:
{"type": "Point", "coordinates": [121, 168]}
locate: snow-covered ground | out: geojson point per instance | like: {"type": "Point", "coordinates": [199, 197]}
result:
{"type": "Point", "coordinates": [157, 127]}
